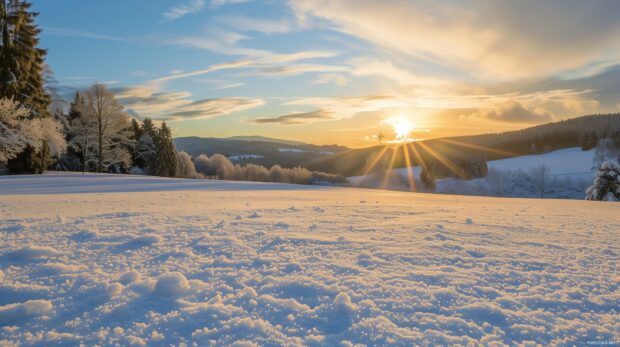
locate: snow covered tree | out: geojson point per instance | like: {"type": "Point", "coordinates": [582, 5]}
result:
{"type": "Point", "coordinates": [540, 177]}
{"type": "Point", "coordinates": [112, 126]}
{"type": "Point", "coordinates": [21, 61]}
{"type": "Point", "coordinates": [12, 140]}
{"type": "Point", "coordinates": [145, 149]}
{"type": "Point", "coordinates": [606, 186]}
{"type": "Point", "coordinates": [427, 179]}
{"type": "Point", "coordinates": [43, 137]}
{"type": "Point", "coordinates": [83, 134]}
{"type": "Point", "coordinates": [166, 157]}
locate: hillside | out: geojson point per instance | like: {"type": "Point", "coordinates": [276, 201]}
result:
{"type": "Point", "coordinates": [576, 132]}
{"type": "Point", "coordinates": [257, 150]}
{"type": "Point", "coordinates": [128, 260]}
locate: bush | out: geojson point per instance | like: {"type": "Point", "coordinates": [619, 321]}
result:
{"type": "Point", "coordinates": [219, 167]}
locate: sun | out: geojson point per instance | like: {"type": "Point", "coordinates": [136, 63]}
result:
{"type": "Point", "coordinates": [402, 128]}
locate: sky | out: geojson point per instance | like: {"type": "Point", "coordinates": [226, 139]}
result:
{"type": "Point", "coordinates": [340, 72]}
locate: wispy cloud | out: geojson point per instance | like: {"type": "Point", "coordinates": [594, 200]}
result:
{"type": "Point", "coordinates": [265, 26]}
{"type": "Point", "coordinates": [184, 9]}
{"type": "Point", "coordinates": [55, 31]}
{"type": "Point", "coordinates": [338, 79]}
{"type": "Point", "coordinates": [296, 118]}
{"type": "Point", "coordinates": [212, 68]}
{"type": "Point", "coordinates": [152, 102]}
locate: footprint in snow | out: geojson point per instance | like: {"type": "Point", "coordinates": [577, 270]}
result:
{"type": "Point", "coordinates": [219, 225]}
{"type": "Point", "coordinates": [469, 221]}
{"type": "Point", "coordinates": [281, 225]}
{"type": "Point", "coordinates": [318, 209]}
{"type": "Point", "coordinates": [253, 215]}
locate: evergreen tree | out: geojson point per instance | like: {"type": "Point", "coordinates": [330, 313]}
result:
{"type": "Point", "coordinates": [22, 74]}
{"type": "Point", "coordinates": [149, 128]}
{"type": "Point", "coordinates": [606, 186]}
{"type": "Point", "coordinates": [427, 179]}
{"type": "Point", "coordinates": [135, 129]}
{"type": "Point", "coordinates": [77, 107]}
{"type": "Point", "coordinates": [21, 61]}
{"type": "Point", "coordinates": [166, 157]}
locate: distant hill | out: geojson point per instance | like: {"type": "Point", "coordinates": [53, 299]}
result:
{"type": "Point", "coordinates": [265, 139]}
{"type": "Point", "coordinates": [258, 150]}
{"type": "Point", "coordinates": [577, 132]}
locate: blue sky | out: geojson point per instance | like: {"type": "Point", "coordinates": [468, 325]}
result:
{"type": "Point", "coordinates": [340, 71]}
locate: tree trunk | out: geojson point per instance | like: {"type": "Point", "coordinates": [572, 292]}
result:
{"type": "Point", "coordinates": [100, 156]}
{"type": "Point", "coordinates": [83, 160]}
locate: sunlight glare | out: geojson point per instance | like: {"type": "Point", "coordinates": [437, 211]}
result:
{"type": "Point", "coordinates": [402, 129]}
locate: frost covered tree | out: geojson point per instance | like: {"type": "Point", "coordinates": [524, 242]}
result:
{"type": "Point", "coordinates": [540, 178]}
{"type": "Point", "coordinates": [166, 157]}
{"type": "Point", "coordinates": [43, 136]}
{"type": "Point", "coordinates": [12, 128]}
{"type": "Point", "coordinates": [83, 134]}
{"type": "Point", "coordinates": [145, 150]}
{"type": "Point", "coordinates": [606, 186]}
{"type": "Point", "coordinates": [112, 127]}
{"type": "Point", "coordinates": [428, 180]}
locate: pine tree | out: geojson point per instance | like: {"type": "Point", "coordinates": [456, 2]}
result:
{"type": "Point", "coordinates": [77, 107]}
{"type": "Point", "coordinates": [22, 74]}
{"type": "Point", "coordinates": [428, 180]}
{"type": "Point", "coordinates": [21, 61]}
{"type": "Point", "coordinates": [166, 157]}
{"type": "Point", "coordinates": [606, 186]}
{"type": "Point", "coordinates": [149, 128]}
{"type": "Point", "coordinates": [135, 129]}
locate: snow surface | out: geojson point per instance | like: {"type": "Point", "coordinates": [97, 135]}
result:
{"type": "Point", "coordinates": [129, 260]}
{"type": "Point", "coordinates": [568, 161]}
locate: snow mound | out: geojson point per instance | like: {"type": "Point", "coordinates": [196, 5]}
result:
{"type": "Point", "coordinates": [32, 253]}
{"type": "Point", "coordinates": [16, 313]}
{"type": "Point", "coordinates": [171, 284]}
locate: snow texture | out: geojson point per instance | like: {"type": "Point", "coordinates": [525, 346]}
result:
{"type": "Point", "coordinates": [130, 260]}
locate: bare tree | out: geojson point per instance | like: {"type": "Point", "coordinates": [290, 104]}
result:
{"type": "Point", "coordinates": [540, 176]}
{"type": "Point", "coordinates": [111, 123]}
{"type": "Point", "coordinates": [83, 132]}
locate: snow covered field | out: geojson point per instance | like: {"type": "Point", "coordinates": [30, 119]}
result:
{"type": "Point", "coordinates": [134, 260]}
{"type": "Point", "coordinates": [570, 173]}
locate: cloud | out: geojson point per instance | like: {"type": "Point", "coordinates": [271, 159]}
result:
{"type": "Point", "coordinates": [297, 69]}
{"type": "Point", "coordinates": [184, 9]}
{"type": "Point", "coordinates": [486, 39]}
{"type": "Point", "coordinates": [387, 69]}
{"type": "Point", "coordinates": [268, 65]}
{"type": "Point", "coordinates": [212, 68]}
{"type": "Point", "coordinates": [514, 112]}
{"type": "Point", "coordinates": [151, 102]}
{"type": "Point", "coordinates": [265, 26]}
{"type": "Point", "coordinates": [338, 79]}
{"type": "Point", "coordinates": [296, 118]}
{"type": "Point", "coordinates": [219, 3]}
{"type": "Point", "coordinates": [55, 31]}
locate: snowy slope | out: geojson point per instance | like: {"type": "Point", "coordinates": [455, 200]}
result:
{"type": "Point", "coordinates": [570, 171]}
{"type": "Point", "coordinates": [148, 261]}
{"type": "Point", "coordinates": [573, 161]}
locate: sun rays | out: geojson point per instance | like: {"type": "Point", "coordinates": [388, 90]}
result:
{"type": "Point", "coordinates": [424, 154]}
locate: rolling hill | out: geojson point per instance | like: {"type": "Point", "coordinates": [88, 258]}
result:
{"type": "Point", "coordinates": [577, 132]}
{"type": "Point", "coordinates": [257, 150]}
